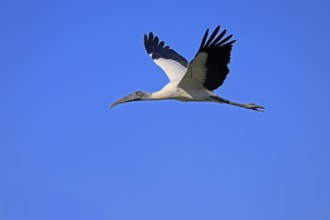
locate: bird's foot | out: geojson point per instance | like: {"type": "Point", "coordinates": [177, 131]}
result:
{"type": "Point", "coordinates": [255, 107]}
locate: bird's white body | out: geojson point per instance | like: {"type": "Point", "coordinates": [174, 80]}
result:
{"type": "Point", "coordinates": [186, 83]}
{"type": "Point", "coordinates": [174, 90]}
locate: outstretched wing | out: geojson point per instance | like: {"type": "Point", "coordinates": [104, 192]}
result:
{"type": "Point", "coordinates": [209, 67]}
{"type": "Point", "coordinates": [172, 63]}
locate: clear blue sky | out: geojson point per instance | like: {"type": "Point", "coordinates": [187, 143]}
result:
{"type": "Point", "coordinates": [66, 155]}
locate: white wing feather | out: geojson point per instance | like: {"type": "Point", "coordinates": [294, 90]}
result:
{"type": "Point", "coordinates": [172, 63]}
{"type": "Point", "coordinates": [174, 70]}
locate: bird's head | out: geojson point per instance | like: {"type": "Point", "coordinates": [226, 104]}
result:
{"type": "Point", "coordinates": [135, 96]}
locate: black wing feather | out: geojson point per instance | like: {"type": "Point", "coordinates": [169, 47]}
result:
{"type": "Point", "coordinates": [212, 36]}
{"type": "Point", "coordinates": [224, 40]}
{"type": "Point", "coordinates": [204, 39]}
{"type": "Point", "coordinates": [218, 57]}
{"type": "Point", "coordinates": [159, 50]}
{"type": "Point", "coordinates": [219, 37]}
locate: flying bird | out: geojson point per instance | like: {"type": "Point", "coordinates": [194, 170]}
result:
{"type": "Point", "coordinates": [194, 81]}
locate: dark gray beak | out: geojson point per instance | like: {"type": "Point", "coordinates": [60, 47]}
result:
{"type": "Point", "coordinates": [122, 100]}
{"type": "Point", "coordinates": [136, 96]}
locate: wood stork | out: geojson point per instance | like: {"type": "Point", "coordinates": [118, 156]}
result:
{"type": "Point", "coordinates": [194, 81]}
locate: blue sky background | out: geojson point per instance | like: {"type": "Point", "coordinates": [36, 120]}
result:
{"type": "Point", "coordinates": [65, 155]}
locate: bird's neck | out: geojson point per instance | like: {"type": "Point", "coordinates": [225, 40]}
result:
{"type": "Point", "coordinates": [159, 95]}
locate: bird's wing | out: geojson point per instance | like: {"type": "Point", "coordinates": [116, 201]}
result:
{"type": "Point", "coordinates": [209, 67]}
{"type": "Point", "coordinates": [172, 63]}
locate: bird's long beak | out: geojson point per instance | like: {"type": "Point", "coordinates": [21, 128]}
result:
{"type": "Point", "coordinates": [131, 97]}
{"type": "Point", "coordinates": [136, 96]}
{"type": "Point", "coordinates": [122, 100]}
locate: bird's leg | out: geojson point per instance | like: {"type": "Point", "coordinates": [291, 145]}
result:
{"type": "Point", "coordinates": [251, 106]}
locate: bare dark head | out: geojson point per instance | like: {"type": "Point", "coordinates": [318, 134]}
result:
{"type": "Point", "coordinates": [136, 96]}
